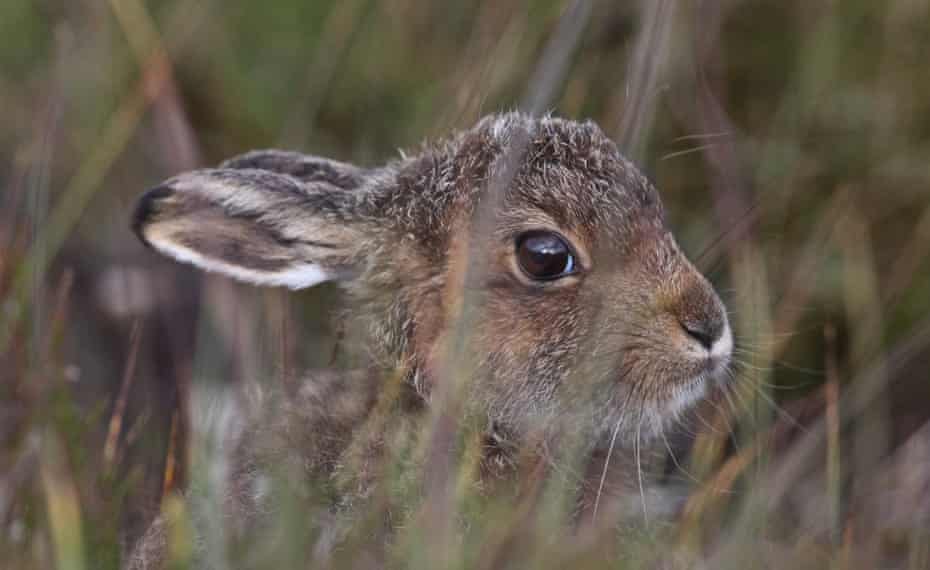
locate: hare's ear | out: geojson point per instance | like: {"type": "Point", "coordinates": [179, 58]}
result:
{"type": "Point", "coordinates": [304, 167]}
{"type": "Point", "coordinates": [253, 225]}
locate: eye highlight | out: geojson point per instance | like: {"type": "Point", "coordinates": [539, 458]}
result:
{"type": "Point", "coordinates": [545, 255]}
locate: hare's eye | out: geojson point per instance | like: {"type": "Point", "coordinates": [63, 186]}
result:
{"type": "Point", "coordinates": [544, 256]}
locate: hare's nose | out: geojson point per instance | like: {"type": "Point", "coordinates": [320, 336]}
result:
{"type": "Point", "coordinates": [705, 331]}
{"type": "Point", "coordinates": [701, 315]}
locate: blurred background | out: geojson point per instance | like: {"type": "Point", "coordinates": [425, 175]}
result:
{"type": "Point", "coordinates": [790, 141]}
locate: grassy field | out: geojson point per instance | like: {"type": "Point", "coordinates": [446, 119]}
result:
{"type": "Point", "coordinates": [790, 141]}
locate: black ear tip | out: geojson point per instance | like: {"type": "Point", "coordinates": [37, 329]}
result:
{"type": "Point", "coordinates": [146, 208]}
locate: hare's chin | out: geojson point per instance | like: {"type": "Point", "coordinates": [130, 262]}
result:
{"type": "Point", "coordinates": [714, 365]}
{"type": "Point", "coordinates": [685, 395]}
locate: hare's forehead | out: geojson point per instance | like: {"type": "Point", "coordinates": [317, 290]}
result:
{"type": "Point", "coordinates": [602, 202]}
{"type": "Point", "coordinates": [575, 174]}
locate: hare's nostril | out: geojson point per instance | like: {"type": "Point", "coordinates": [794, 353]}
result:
{"type": "Point", "coordinates": [705, 332]}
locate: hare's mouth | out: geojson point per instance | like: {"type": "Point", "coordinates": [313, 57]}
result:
{"type": "Point", "coordinates": [701, 369]}
{"type": "Point", "coordinates": [687, 394]}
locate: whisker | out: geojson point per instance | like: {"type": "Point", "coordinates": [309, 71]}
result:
{"type": "Point", "coordinates": [770, 369]}
{"type": "Point", "coordinates": [685, 151]}
{"type": "Point", "coordinates": [639, 468]}
{"type": "Point", "coordinates": [707, 424]}
{"type": "Point", "coordinates": [702, 136]}
{"type": "Point", "coordinates": [686, 426]}
{"type": "Point", "coordinates": [779, 410]}
{"type": "Point", "coordinates": [671, 453]}
{"type": "Point", "coordinates": [610, 450]}
{"type": "Point", "coordinates": [746, 219]}
{"type": "Point", "coordinates": [734, 409]}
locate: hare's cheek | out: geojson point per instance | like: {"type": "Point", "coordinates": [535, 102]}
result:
{"type": "Point", "coordinates": [533, 347]}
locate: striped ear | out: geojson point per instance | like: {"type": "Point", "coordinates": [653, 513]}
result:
{"type": "Point", "coordinates": [253, 225]}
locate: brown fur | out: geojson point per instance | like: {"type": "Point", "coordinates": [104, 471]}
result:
{"type": "Point", "coordinates": [424, 247]}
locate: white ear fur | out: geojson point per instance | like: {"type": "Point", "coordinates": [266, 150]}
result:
{"type": "Point", "coordinates": [296, 277]}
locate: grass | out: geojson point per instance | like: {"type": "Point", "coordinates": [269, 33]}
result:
{"type": "Point", "coordinates": [790, 141]}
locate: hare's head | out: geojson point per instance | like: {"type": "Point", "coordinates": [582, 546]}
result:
{"type": "Point", "coordinates": [530, 245]}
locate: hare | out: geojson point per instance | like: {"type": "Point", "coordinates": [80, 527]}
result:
{"type": "Point", "coordinates": [527, 250]}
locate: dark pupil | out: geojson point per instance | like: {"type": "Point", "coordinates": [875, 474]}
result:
{"type": "Point", "coordinates": [543, 255]}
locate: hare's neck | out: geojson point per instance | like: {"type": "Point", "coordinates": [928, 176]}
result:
{"type": "Point", "coordinates": [375, 332]}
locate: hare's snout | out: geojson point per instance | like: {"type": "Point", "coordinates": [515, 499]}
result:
{"type": "Point", "coordinates": [691, 342]}
{"type": "Point", "coordinates": [705, 343]}
{"type": "Point", "coordinates": [704, 332]}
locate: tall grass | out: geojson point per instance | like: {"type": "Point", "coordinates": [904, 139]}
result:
{"type": "Point", "coordinates": [790, 141]}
